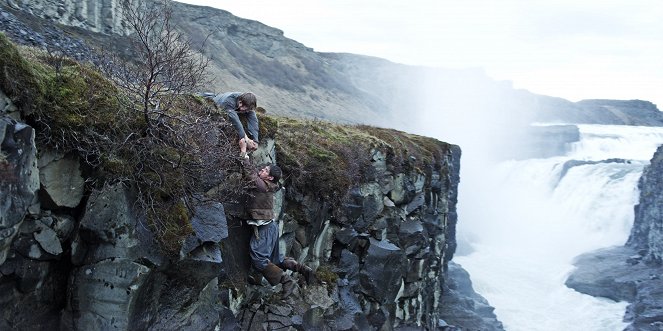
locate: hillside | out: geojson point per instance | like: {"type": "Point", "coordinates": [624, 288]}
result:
{"type": "Point", "coordinates": [294, 80]}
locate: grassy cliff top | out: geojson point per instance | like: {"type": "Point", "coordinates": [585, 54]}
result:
{"type": "Point", "coordinates": [75, 99]}
{"type": "Point", "coordinates": [329, 158]}
{"type": "Point", "coordinates": [62, 97]}
{"type": "Point", "coordinates": [74, 108]}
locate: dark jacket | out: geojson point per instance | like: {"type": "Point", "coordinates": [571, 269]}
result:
{"type": "Point", "coordinates": [260, 204]}
{"type": "Point", "coordinates": [228, 102]}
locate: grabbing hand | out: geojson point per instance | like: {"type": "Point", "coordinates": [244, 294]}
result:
{"type": "Point", "coordinates": [251, 145]}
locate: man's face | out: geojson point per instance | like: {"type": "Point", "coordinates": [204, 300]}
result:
{"type": "Point", "coordinates": [264, 173]}
{"type": "Point", "coordinates": [241, 106]}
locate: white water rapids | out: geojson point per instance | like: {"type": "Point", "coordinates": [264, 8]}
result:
{"type": "Point", "coordinates": [526, 225]}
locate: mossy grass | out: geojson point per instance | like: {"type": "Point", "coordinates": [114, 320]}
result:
{"type": "Point", "coordinates": [63, 99]}
{"type": "Point", "coordinates": [18, 77]}
{"type": "Point", "coordinates": [327, 276]}
{"type": "Point", "coordinates": [174, 224]}
{"type": "Point", "coordinates": [74, 108]}
{"type": "Point", "coordinates": [328, 159]}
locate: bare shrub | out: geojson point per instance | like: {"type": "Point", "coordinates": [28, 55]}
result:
{"type": "Point", "coordinates": [163, 64]}
{"type": "Point", "coordinates": [182, 147]}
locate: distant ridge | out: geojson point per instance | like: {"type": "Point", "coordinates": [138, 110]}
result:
{"type": "Point", "coordinates": [294, 80]}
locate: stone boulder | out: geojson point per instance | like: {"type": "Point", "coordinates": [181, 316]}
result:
{"type": "Point", "coordinates": [19, 178]}
{"type": "Point", "coordinates": [37, 241]}
{"type": "Point", "coordinates": [403, 190]}
{"type": "Point", "coordinates": [61, 179]}
{"type": "Point", "coordinates": [6, 105]}
{"type": "Point", "coordinates": [110, 229]}
{"type": "Point", "coordinates": [381, 275]}
{"type": "Point", "coordinates": [209, 226]}
{"type": "Point", "coordinates": [363, 204]}
{"type": "Point", "coordinates": [463, 306]}
{"type": "Point", "coordinates": [413, 239]}
{"type": "Point", "coordinates": [610, 276]}
{"type": "Point", "coordinates": [185, 305]}
{"type": "Point", "coordinates": [106, 295]}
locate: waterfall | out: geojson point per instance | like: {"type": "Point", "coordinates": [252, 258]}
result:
{"type": "Point", "coordinates": [530, 218]}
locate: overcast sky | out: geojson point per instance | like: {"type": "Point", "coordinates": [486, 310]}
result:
{"type": "Point", "coordinates": [574, 49]}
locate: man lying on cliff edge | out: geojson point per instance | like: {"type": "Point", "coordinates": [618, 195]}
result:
{"type": "Point", "coordinates": [238, 104]}
{"type": "Point", "coordinates": [264, 243]}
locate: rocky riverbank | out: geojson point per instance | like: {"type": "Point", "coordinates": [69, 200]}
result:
{"type": "Point", "coordinates": [620, 274]}
{"type": "Point", "coordinates": [632, 273]}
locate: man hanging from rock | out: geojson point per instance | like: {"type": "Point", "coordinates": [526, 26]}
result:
{"type": "Point", "coordinates": [264, 243]}
{"type": "Point", "coordinates": [238, 104]}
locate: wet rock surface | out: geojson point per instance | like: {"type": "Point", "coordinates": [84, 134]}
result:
{"type": "Point", "coordinates": [464, 306]}
{"type": "Point", "coordinates": [647, 232]}
{"type": "Point", "coordinates": [621, 274]}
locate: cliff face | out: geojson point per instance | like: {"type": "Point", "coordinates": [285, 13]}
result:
{"type": "Point", "coordinates": [94, 15]}
{"type": "Point", "coordinates": [383, 249]}
{"type": "Point", "coordinates": [81, 257]}
{"type": "Point", "coordinates": [647, 232]}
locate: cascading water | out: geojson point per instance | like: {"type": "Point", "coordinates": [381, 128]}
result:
{"type": "Point", "coordinates": [532, 217]}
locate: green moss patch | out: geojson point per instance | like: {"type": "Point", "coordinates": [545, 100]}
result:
{"type": "Point", "coordinates": [325, 274]}
{"type": "Point", "coordinates": [17, 77]}
{"type": "Point", "coordinates": [72, 106]}
{"type": "Point", "coordinates": [172, 225]}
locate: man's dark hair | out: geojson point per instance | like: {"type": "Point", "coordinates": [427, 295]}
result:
{"type": "Point", "coordinates": [248, 99]}
{"type": "Point", "coordinates": [275, 172]}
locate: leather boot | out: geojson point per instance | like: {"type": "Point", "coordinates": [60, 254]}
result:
{"type": "Point", "coordinates": [254, 277]}
{"type": "Point", "coordinates": [292, 264]}
{"type": "Point", "coordinates": [275, 276]}
{"type": "Point", "coordinates": [287, 286]}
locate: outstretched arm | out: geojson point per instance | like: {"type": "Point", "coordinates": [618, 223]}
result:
{"type": "Point", "coordinates": [251, 173]}
{"type": "Point", "coordinates": [234, 119]}
{"type": "Point", "coordinates": [253, 125]}
{"type": "Point", "coordinates": [228, 102]}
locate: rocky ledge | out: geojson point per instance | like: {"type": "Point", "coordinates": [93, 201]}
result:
{"type": "Point", "coordinates": [620, 274]}
{"type": "Point", "coordinates": [464, 306]}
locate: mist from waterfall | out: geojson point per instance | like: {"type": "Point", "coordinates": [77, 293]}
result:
{"type": "Point", "coordinates": [522, 222]}
{"type": "Point", "coordinates": [526, 221]}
